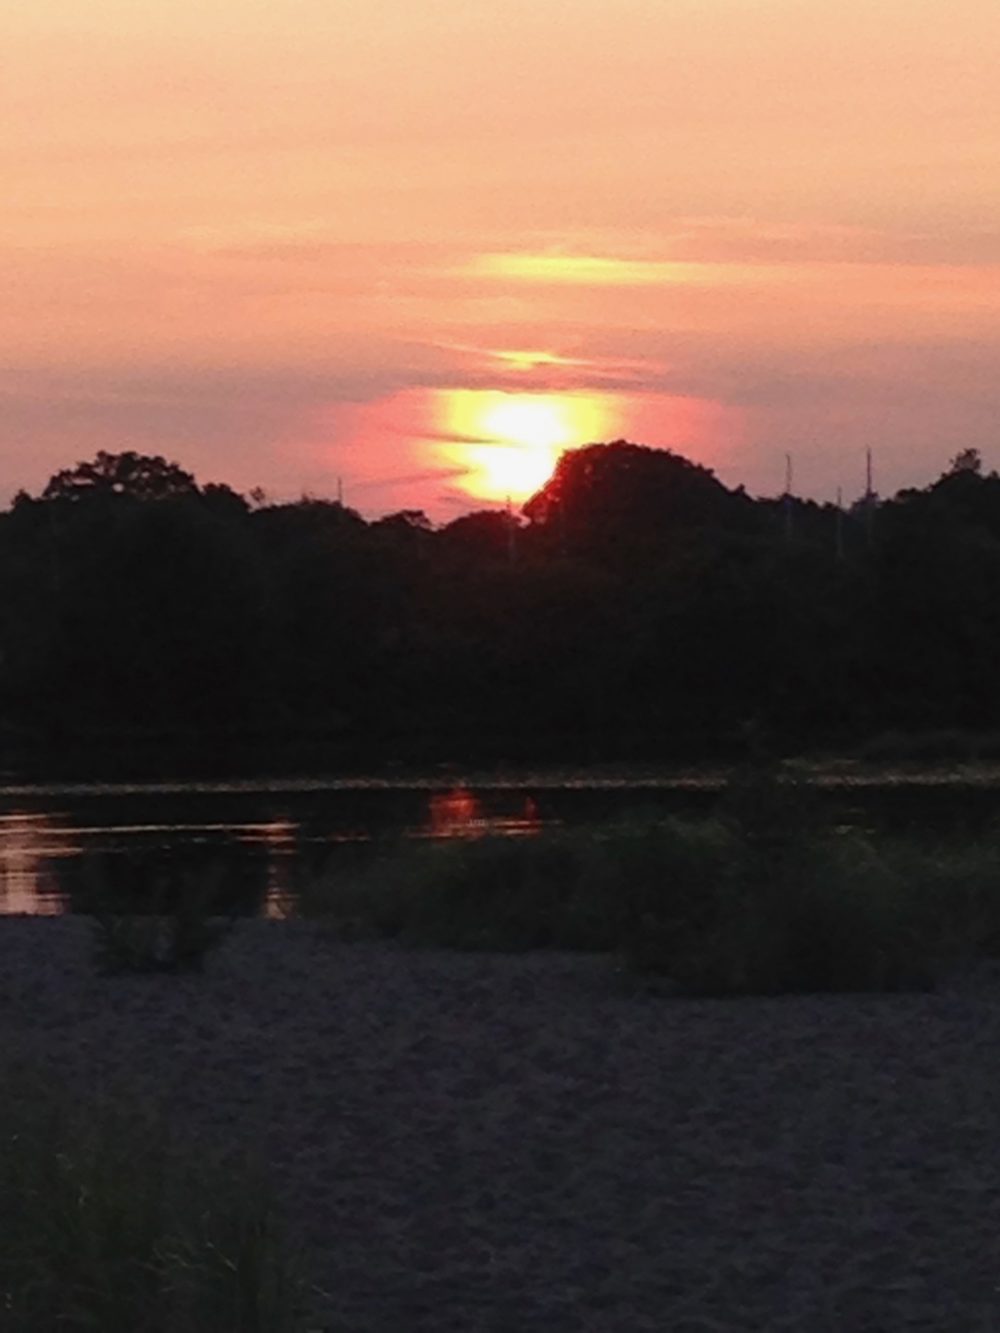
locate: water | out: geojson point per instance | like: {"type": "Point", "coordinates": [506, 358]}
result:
{"type": "Point", "coordinates": [265, 835]}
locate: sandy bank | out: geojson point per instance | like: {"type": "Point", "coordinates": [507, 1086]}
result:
{"type": "Point", "coordinates": [521, 1143]}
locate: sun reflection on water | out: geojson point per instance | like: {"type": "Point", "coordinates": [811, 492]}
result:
{"type": "Point", "coordinates": [460, 813]}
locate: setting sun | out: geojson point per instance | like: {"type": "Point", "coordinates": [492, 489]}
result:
{"type": "Point", "coordinates": [511, 471]}
{"type": "Point", "coordinates": [510, 442]}
{"type": "Point", "coordinates": [539, 423]}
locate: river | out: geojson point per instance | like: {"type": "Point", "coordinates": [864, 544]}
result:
{"type": "Point", "coordinates": [55, 838]}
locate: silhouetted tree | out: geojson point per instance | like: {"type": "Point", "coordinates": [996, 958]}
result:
{"type": "Point", "coordinates": [644, 609]}
{"type": "Point", "coordinates": [224, 501]}
{"type": "Point", "coordinates": [135, 476]}
{"type": "Point", "coordinates": [611, 501]}
{"type": "Point", "coordinates": [967, 460]}
{"type": "Point", "coordinates": [486, 535]}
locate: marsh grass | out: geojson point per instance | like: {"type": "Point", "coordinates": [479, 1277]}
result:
{"type": "Point", "coordinates": [110, 1226]}
{"type": "Point", "coordinates": [421, 893]}
{"type": "Point", "coordinates": [150, 915]}
{"type": "Point", "coordinates": [954, 886]}
{"type": "Point", "coordinates": [766, 897]}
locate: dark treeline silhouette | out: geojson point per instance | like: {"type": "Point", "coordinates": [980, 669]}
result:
{"type": "Point", "coordinates": [638, 609]}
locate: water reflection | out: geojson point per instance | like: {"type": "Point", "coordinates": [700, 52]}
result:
{"type": "Point", "coordinates": [226, 875]}
{"type": "Point", "coordinates": [31, 843]}
{"type": "Point", "coordinates": [51, 862]}
{"type": "Point", "coordinates": [265, 840]}
{"type": "Point", "coordinates": [278, 841]}
{"type": "Point", "coordinates": [455, 814]}
{"type": "Point", "coordinates": [255, 850]}
{"type": "Point", "coordinates": [460, 813]}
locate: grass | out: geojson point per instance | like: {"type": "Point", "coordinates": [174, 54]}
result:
{"type": "Point", "coordinates": [110, 1227]}
{"type": "Point", "coordinates": [152, 915]}
{"type": "Point", "coordinates": [766, 897]}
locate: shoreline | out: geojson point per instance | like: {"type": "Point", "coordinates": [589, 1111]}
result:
{"type": "Point", "coordinates": [835, 774]}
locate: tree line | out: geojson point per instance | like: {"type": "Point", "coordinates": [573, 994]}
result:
{"type": "Point", "coordinates": [636, 609]}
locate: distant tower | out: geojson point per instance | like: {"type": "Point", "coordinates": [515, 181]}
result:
{"type": "Point", "coordinates": [511, 533]}
{"type": "Point", "coordinates": [869, 497]}
{"type": "Point", "coordinates": [839, 530]}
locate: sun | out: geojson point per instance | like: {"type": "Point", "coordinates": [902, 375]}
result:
{"type": "Point", "coordinates": [532, 423]}
{"type": "Point", "coordinates": [509, 443]}
{"type": "Point", "coordinates": [508, 471]}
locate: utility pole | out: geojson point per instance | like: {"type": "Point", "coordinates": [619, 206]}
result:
{"type": "Point", "coordinates": [839, 531]}
{"type": "Point", "coordinates": [340, 491]}
{"type": "Point", "coordinates": [869, 497]}
{"type": "Point", "coordinates": [511, 534]}
{"type": "Point", "coordinates": [56, 560]}
{"type": "Point", "coordinates": [788, 497]}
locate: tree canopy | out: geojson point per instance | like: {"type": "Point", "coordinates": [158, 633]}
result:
{"type": "Point", "coordinates": [131, 475]}
{"type": "Point", "coordinates": [639, 608]}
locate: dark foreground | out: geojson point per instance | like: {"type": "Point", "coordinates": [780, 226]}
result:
{"type": "Point", "coordinates": [507, 1143]}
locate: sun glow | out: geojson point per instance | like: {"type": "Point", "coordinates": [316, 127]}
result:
{"type": "Point", "coordinates": [509, 443]}
{"type": "Point", "coordinates": [536, 423]}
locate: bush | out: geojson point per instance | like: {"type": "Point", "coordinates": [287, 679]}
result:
{"type": "Point", "coordinates": [765, 898]}
{"type": "Point", "coordinates": [108, 1227]}
{"type": "Point", "coordinates": [468, 893]}
{"type": "Point", "coordinates": [831, 917]}
{"type": "Point", "coordinates": [153, 916]}
{"type": "Point", "coordinates": [955, 887]}
{"type": "Point", "coordinates": [768, 898]}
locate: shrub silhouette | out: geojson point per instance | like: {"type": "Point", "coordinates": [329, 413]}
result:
{"type": "Point", "coordinates": [153, 913]}
{"type": "Point", "coordinates": [748, 902]}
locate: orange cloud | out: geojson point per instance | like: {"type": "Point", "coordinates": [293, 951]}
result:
{"type": "Point", "coordinates": [588, 270]}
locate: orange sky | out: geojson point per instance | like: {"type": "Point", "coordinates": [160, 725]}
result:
{"type": "Point", "coordinates": [289, 241]}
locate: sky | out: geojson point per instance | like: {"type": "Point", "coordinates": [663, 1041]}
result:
{"type": "Point", "coordinates": [416, 249]}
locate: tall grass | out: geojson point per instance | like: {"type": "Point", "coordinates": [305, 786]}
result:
{"type": "Point", "coordinates": [766, 897]}
{"type": "Point", "coordinates": [109, 1226]}
{"type": "Point", "coordinates": [151, 913]}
